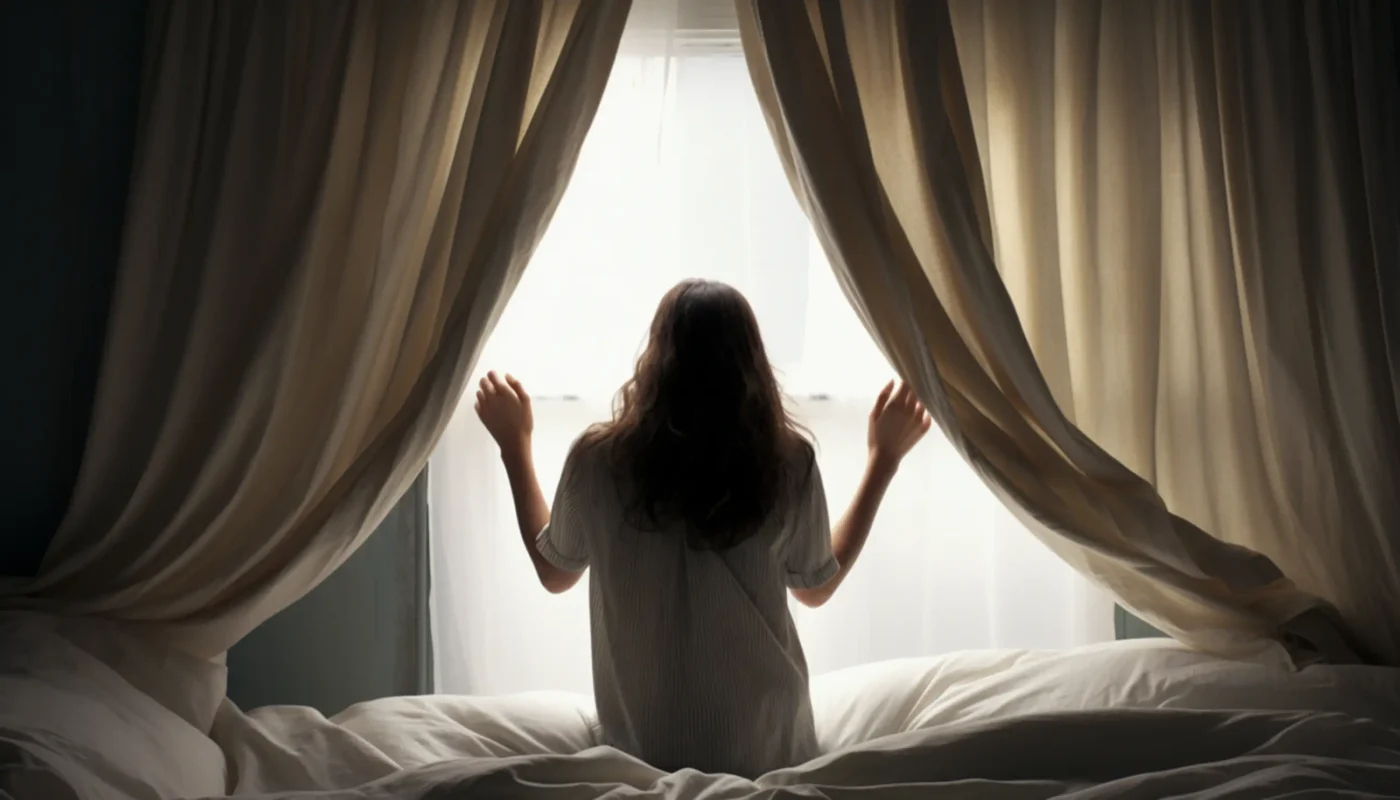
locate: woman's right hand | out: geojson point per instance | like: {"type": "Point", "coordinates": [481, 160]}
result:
{"type": "Point", "coordinates": [504, 408]}
{"type": "Point", "coordinates": [897, 423]}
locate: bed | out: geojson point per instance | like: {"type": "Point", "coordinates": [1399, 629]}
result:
{"type": "Point", "coordinates": [89, 711]}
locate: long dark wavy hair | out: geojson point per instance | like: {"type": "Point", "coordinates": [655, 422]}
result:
{"type": "Point", "coordinates": [700, 434]}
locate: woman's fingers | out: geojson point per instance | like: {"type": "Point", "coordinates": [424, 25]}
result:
{"type": "Point", "coordinates": [498, 384]}
{"type": "Point", "coordinates": [518, 388]}
{"type": "Point", "coordinates": [912, 401]}
{"type": "Point", "coordinates": [882, 400]}
{"type": "Point", "coordinates": [899, 398]}
{"type": "Point", "coordinates": [917, 418]}
{"type": "Point", "coordinates": [906, 395]}
{"type": "Point", "coordinates": [494, 385]}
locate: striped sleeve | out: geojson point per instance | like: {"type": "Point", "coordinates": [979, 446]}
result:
{"type": "Point", "coordinates": [808, 558]}
{"type": "Point", "coordinates": [564, 541]}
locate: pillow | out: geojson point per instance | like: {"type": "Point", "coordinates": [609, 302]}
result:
{"type": "Point", "coordinates": [293, 748]}
{"type": "Point", "coordinates": [866, 702]}
{"type": "Point", "coordinates": [69, 720]}
{"type": "Point", "coordinates": [450, 726]}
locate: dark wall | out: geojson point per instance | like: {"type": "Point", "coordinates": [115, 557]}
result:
{"type": "Point", "coordinates": [70, 82]}
{"type": "Point", "coordinates": [70, 75]}
{"type": "Point", "coordinates": [1128, 626]}
{"type": "Point", "coordinates": [361, 634]}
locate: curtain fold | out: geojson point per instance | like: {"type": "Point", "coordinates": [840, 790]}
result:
{"type": "Point", "coordinates": [1195, 215]}
{"type": "Point", "coordinates": [867, 106]}
{"type": "Point", "coordinates": [331, 203]}
{"type": "Point", "coordinates": [679, 178]}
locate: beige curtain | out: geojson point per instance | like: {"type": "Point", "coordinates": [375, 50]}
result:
{"type": "Point", "coordinates": [331, 202]}
{"type": "Point", "coordinates": [1194, 209]}
{"type": "Point", "coordinates": [867, 105]}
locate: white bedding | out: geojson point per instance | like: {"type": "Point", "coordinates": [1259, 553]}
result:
{"type": "Point", "coordinates": [83, 716]}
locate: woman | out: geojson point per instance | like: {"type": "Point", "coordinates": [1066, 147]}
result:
{"type": "Point", "coordinates": [698, 507]}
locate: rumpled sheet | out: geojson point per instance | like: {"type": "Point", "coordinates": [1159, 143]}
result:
{"type": "Point", "coordinates": [1130, 753]}
{"type": "Point", "coordinates": [87, 716]}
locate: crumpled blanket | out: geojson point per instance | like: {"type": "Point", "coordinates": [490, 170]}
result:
{"type": "Point", "coordinates": [87, 713]}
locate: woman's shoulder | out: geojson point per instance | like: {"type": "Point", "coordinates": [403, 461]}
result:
{"type": "Point", "coordinates": [801, 462]}
{"type": "Point", "coordinates": [590, 451]}
{"type": "Point", "coordinates": [591, 442]}
{"type": "Point", "coordinates": [802, 450]}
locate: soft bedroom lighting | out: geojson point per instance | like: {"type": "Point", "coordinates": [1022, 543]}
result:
{"type": "Point", "coordinates": [678, 178]}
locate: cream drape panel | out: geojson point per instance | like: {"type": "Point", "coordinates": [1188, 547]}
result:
{"type": "Point", "coordinates": [330, 204]}
{"type": "Point", "coordinates": [1194, 208]}
{"type": "Point", "coordinates": [867, 107]}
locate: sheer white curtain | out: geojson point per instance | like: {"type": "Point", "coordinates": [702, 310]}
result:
{"type": "Point", "coordinates": [678, 178]}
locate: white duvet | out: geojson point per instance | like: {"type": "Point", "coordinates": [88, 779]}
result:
{"type": "Point", "coordinates": [87, 714]}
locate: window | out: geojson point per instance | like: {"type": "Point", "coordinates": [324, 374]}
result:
{"type": "Point", "coordinates": [678, 178]}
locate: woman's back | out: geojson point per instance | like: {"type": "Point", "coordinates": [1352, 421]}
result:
{"type": "Point", "coordinates": [696, 661]}
{"type": "Point", "coordinates": [698, 506]}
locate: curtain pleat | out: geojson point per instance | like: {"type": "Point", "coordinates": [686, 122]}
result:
{"type": "Point", "coordinates": [1210, 287]}
{"type": "Point", "coordinates": [331, 203]}
{"type": "Point", "coordinates": [887, 148]}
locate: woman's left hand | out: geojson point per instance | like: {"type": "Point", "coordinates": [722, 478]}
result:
{"type": "Point", "coordinates": [504, 408]}
{"type": "Point", "coordinates": [897, 423]}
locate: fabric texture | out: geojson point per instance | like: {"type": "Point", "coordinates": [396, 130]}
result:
{"type": "Point", "coordinates": [330, 204]}
{"type": "Point", "coordinates": [92, 709]}
{"type": "Point", "coordinates": [1127, 719]}
{"type": "Point", "coordinates": [679, 178]}
{"type": "Point", "coordinates": [864, 703]}
{"type": "Point", "coordinates": [696, 659]}
{"type": "Point", "coordinates": [866, 104]}
{"type": "Point", "coordinates": [1194, 209]}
